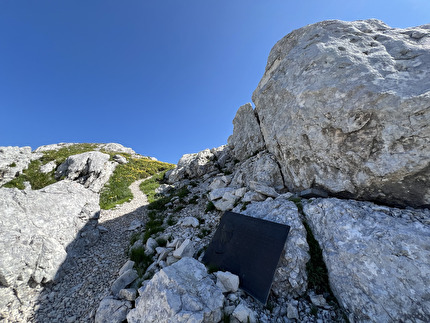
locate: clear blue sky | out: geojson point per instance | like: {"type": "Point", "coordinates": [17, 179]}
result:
{"type": "Point", "coordinates": [162, 77]}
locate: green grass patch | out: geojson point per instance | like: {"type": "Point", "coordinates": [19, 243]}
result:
{"type": "Point", "coordinates": [316, 268]}
{"type": "Point", "coordinates": [149, 186]}
{"type": "Point", "coordinates": [141, 259]}
{"type": "Point", "coordinates": [210, 207]}
{"type": "Point", "coordinates": [33, 175]}
{"type": "Point", "coordinates": [61, 154]}
{"type": "Point", "coordinates": [12, 164]}
{"type": "Point", "coordinates": [298, 202]}
{"type": "Point", "coordinates": [116, 191]}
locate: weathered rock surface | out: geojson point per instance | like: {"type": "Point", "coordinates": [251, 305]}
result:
{"type": "Point", "coordinates": [261, 168]}
{"type": "Point", "coordinates": [112, 311]}
{"type": "Point", "coordinates": [182, 292]}
{"type": "Point", "coordinates": [192, 165]}
{"type": "Point", "coordinates": [345, 106]}
{"type": "Point", "coordinates": [290, 278]}
{"type": "Point", "coordinates": [13, 160]}
{"type": "Point", "coordinates": [246, 139]}
{"type": "Point", "coordinates": [377, 258]}
{"type": "Point", "coordinates": [34, 233]}
{"type": "Point", "coordinates": [91, 169]}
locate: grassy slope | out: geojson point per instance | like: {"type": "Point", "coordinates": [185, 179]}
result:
{"type": "Point", "coordinates": [115, 192]}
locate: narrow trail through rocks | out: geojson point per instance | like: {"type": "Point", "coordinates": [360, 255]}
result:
{"type": "Point", "coordinates": [76, 296]}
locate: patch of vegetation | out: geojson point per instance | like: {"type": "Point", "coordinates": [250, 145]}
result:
{"type": "Point", "coordinates": [226, 318]}
{"type": "Point", "coordinates": [33, 175]}
{"type": "Point", "coordinates": [244, 205]}
{"type": "Point", "coordinates": [193, 184]}
{"type": "Point", "coordinates": [171, 221]}
{"type": "Point", "coordinates": [161, 242]}
{"type": "Point", "coordinates": [116, 191]}
{"type": "Point", "coordinates": [227, 172]}
{"type": "Point", "coordinates": [178, 209]}
{"type": "Point", "coordinates": [153, 226]}
{"type": "Point", "coordinates": [316, 268]}
{"type": "Point", "coordinates": [314, 310]}
{"type": "Point", "coordinates": [12, 164]}
{"type": "Point", "coordinates": [182, 192]}
{"type": "Point", "coordinates": [194, 200]}
{"type": "Point", "coordinates": [141, 259]}
{"type": "Point", "coordinates": [210, 207]}
{"type": "Point", "coordinates": [203, 233]}
{"type": "Point", "coordinates": [212, 268]}
{"type": "Point", "coordinates": [60, 155]}
{"type": "Point", "coordinates": [149, 186]}
{"type": "Point", "coordinates": [134, 237]}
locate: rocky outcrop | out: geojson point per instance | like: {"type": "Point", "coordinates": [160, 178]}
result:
{"type": "Point", "coordinates": [13, 160]}
{"type": "Point", "coordinates": [35, 234]}
{"type": "Point", "coordinates": [182, 292]}
{"type": "Point", "coordinates": [377, 258]}
{"type": "Point", "coordinates": [344, 106]}
{"type": "Point", "coordinates": [246, 139]}
{"type": "Point", "coordinates": [290, 279]}
{"type": "Point", "coordinates": [202, 163]}
{"type": "Point", "coordinates": [91, 169]}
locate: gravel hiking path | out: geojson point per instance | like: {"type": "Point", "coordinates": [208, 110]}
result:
{"type": "Point", "coordinates": [76, 297]}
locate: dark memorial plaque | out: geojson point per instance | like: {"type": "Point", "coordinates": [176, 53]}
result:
{"type": "Point", "coordinates": [250, 248]}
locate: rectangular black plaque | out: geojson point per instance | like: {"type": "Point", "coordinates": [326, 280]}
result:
{"type": "Point", "coordinates": [250, 248]}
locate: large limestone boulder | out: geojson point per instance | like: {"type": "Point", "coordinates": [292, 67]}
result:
{"type": "Point", "coordinates": [91, 169]}
{"type": "Point", "coordinates": [182, 292]}
{"type": "Point", "coordinates": [377, 258]}
{"type": "Point", "coordinates": [13, 160]}
{"type": "Point", "coordinates": [246, 139]}
{"type": "Point", "coordinates": [290, 279]}
{"type": "Point", "coordinates": [36, 227]}
{"type": "Point", "coordinates": [345, 106]}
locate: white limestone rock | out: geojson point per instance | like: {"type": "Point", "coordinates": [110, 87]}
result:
{"type": "Point", "coordinates": [261, 168]}
{"type": "Point", "coordinates": [120, 159]}
{"type": "Point", "coordinates": [246, 139]}
{"type": "Point", "coordinates": [244, 314]}
{"type": "Point", "coordinates": [189, 221]}
{"type": "Point", "coordinates": [290, 279]}
{"type": "Point", "coordinates": [186, 249]}
{"type": "Point", "coordinates": [112, 311]}
{"type": "Point", "coordinates": [377, 258]}
{"type": "Point", "coordinates": [91, 169]}
{"type": "Point", "coordinates": [227, 281]}
{"type": "Point", "coordinates": [123, 281]}
{"type": "Point", "coordinates": [182, 292]}
{"type": "Point", "coordinates": [227, 201]}
{"type": "Point", "coordinates": [345, 106]}
{"type": "Point", "coordinates": [48, 167]}
{"type": "Point", "coordinates": [263, 189]}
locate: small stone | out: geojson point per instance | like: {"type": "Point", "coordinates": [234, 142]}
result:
{"type": "Point", "coordinates": [112, 311]}
{"type": "Point", "coordinates": [120, 159]}
{"type": "Point", "coordinates": [134, 225]}
{"type": "Point", "coordinates": [128, 294]}
{"type": "Point", "coordinates": [227, 281]}
{"type": "Point", "coordinates": [244, 314]}
{"type": "Point", "coordinates": [185, 250]}
{"type": "Point", "coordinates": [292, 312]}
{"type": "Point", "coordinates": [319, 300]}
{"type": "Point", "coordinates": [127, 266]}
{"type": "Point", "coordinates": [123, 281]}
{"type": "Point", "coordinates": [190, 221]}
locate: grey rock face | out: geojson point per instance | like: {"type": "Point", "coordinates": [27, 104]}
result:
{"type": "Point", "coordinates": [290, 278]}
{"type": "Point", "coordinates": [123, 281]}
{"type": "Point", "coordinates": [116, 148]}
{"type": "Point", "coordinates": [192, 165]}
{"type": "Point", "coordinates": [112, 311]}
{"type": "Point", "coordinates": [92, 169]}
{"type": "Point", "coordinates": [377, 258]}
{"type": "Point", "coordinates": [246, 139]}
{"type": "Point", "coordinates": [34, 225]}
{"type": "Point", "coordinates": [182, 292]}
{"type": "Point", "coordinates": [13, 160]}
{"type": "Point", "coordinates": [345, 106]}
{"type": "Point", "coordinates": [261, 168]}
